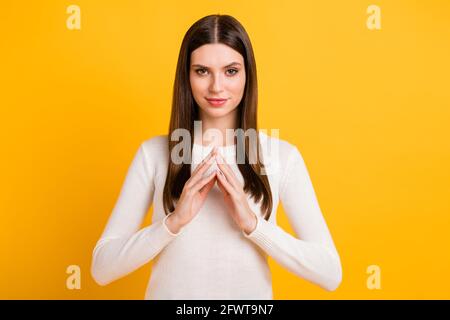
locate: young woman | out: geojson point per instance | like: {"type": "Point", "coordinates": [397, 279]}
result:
{"type": "Point", "coordinates": [214, 217]}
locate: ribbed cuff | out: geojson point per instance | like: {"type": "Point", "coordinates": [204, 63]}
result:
{"type": "Point", "coordinates": [262, 234]}
{"type": "Point", "coordinates": [258, 226]}
{"type": "Point", "coordinates": [167, 229]}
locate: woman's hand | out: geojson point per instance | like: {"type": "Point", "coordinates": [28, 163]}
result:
{"type": "Point", "coordinates": [235, 197]}
{"type": "Point", "coordinates": [193, 195]}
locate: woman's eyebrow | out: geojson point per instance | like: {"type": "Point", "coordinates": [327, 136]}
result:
{"type": "Point", "coordinates": [229, 65]}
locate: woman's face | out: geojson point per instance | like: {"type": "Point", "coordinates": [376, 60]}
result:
{"type": "Point", "coordinates": [217, 72]}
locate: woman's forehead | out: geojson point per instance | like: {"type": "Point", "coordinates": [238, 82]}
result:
{"type": "Point", "coordinates": [215, 55]}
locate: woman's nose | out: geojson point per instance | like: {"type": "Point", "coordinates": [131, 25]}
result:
{"type": "Point", "coordinates": [216, 84]}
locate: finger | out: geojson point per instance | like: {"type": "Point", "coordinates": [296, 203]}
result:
{"type": "Point", "coordinates": [221, 187]}
{"type": "Point", "coordinates": [224, 185]}
{"type": "Point", "coordinates": [202, 182]}
{"type": "Point", "coordinates": [199, 173]}
{"type": "Point", "coordinates": [204, 191]}
{"type": "Point", "coordinates": [228, 172]}
{"type": "Point", "coordinates": [204, 161]}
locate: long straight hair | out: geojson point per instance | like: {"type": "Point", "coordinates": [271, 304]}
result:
{"type": "Point", "coordinates": [227, 30]}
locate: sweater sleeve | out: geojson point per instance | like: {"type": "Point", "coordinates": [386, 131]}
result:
{"type": "Point", "coordinates": [124, 247]}
{"type": "Point", "coordinates": [313, 255]}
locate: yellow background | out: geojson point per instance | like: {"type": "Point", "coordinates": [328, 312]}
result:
{"type": "Point", "coordinates": [369, 110]}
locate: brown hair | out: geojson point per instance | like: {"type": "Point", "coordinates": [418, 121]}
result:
{"type": "Point", "coordinates": [226, 30]}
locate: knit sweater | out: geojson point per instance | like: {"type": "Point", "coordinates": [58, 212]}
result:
{"type": "Point", "coordinates": [210, 257]}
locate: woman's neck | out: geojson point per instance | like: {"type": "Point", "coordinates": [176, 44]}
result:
{"type": "Point", "coordinates": [214, 131]}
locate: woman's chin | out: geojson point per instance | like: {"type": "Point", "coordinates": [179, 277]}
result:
{"type": "Point", "coordinates": [215, 112]}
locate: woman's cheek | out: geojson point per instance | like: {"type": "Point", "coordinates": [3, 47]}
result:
{"type": "Point", "coordinates": [197, 85]}
{"type": "Point", "coordinates": [238, 89]}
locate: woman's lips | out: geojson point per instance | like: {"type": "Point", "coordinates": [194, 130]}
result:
{"type": "Point", "coordinates": [216, 102]}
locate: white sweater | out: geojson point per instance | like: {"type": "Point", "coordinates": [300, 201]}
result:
{"type": "Point", "coordinates": [211, 258]}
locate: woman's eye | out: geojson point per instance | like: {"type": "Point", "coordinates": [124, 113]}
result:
{"type": "Point", "coordinates": [200, 71]}
{"type": "Point", "coordinates": [234, 71]}
{"type": "Point", "coordinates": [231, 72]}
